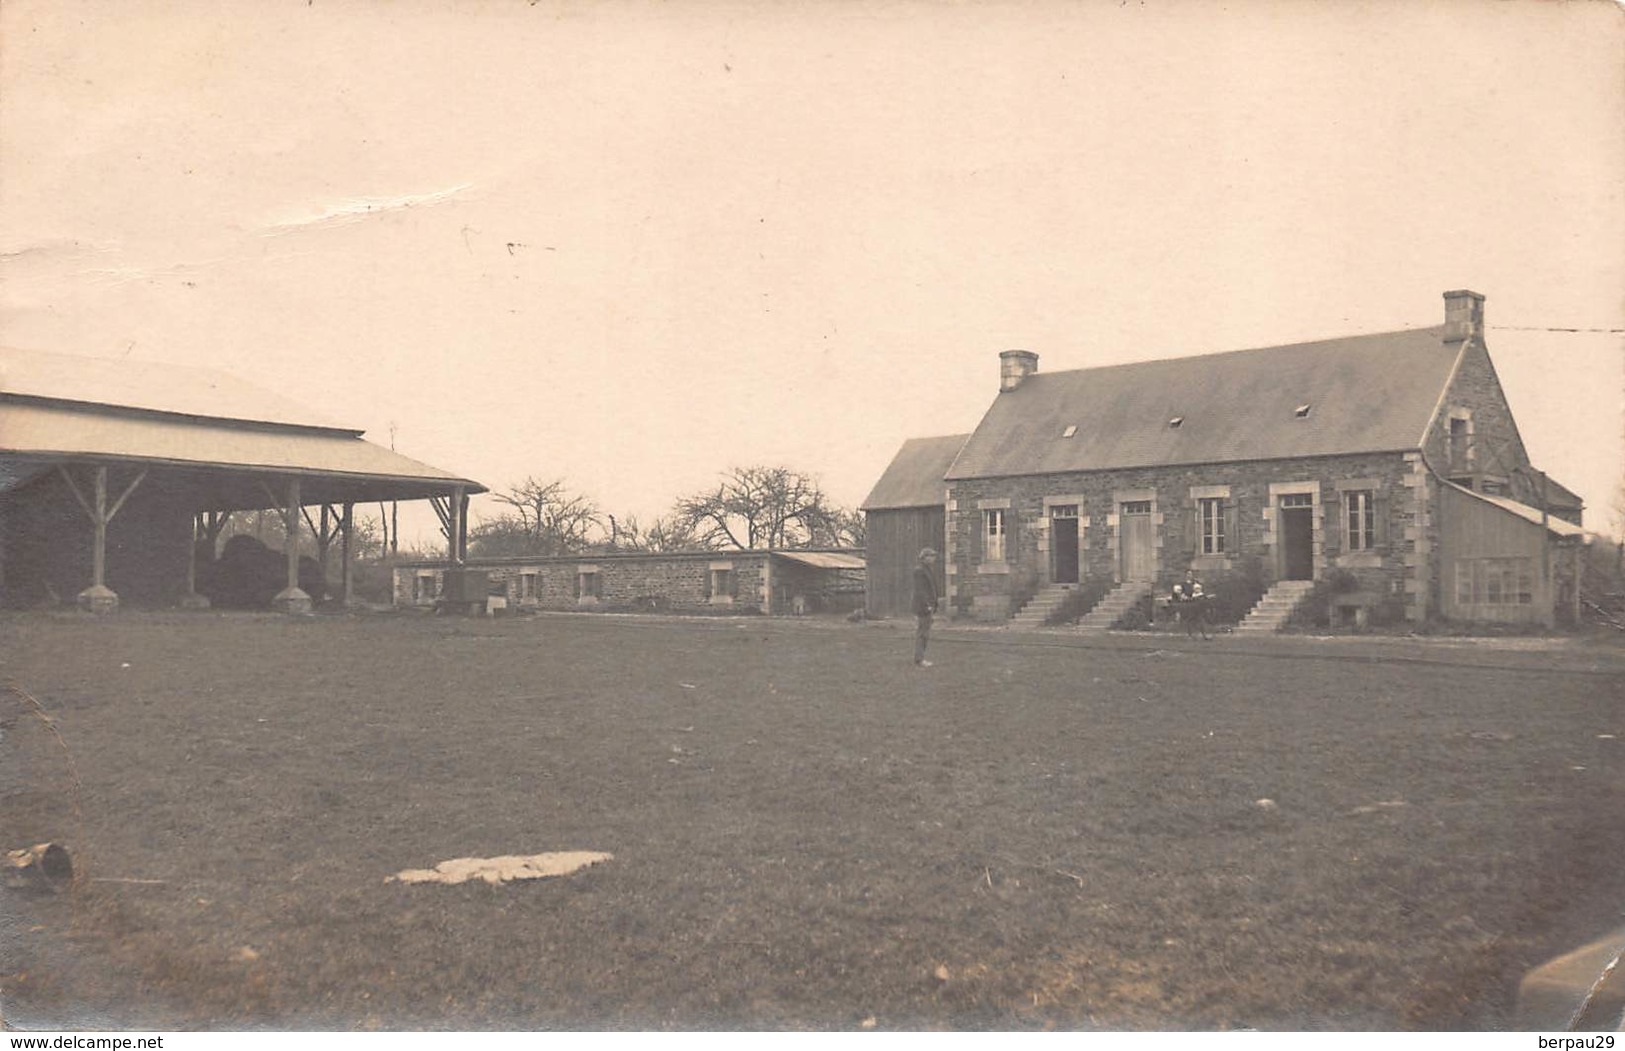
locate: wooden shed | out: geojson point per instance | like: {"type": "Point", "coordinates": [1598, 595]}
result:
{"type": "Point", "coordinates": [906, 511]}
{"type": "Point", "coordinates": [1503, 561]}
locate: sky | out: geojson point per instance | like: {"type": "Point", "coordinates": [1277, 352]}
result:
{"type": "Point", "coordinates": [632, 245]}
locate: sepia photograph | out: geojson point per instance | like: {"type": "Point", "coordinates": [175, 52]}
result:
{"type": "Point", "coordinates": [707, 516]}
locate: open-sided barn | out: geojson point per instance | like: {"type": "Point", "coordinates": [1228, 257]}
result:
{"type": "Point", "coordinates": [1390, 460]}
{"type": "Point", "coordinates": [113, 475]}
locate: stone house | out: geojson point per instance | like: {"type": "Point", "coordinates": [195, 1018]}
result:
{"type": "Point", "coordinates": [1391, 457]}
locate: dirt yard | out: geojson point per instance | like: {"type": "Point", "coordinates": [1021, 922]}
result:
{"type": "Point", "coordinates": [807, 831]}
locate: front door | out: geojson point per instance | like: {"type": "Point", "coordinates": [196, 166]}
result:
{"type": "Point", "coordinates": [1297, 537]}
{"type": "Point", "coordinates": [1063, 538]}
{"type": "Point", "coordinates": [1134, 522]}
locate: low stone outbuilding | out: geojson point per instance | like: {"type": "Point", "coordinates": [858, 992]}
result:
{"type": "Point", "coordinates": [786, 581]}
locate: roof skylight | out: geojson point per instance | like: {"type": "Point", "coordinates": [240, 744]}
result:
{"type": "Point", "coordinates": [1071, 429]}
{"type": "Point", "coordinates": [1176, 421]}
{"type": "Point", "coordinates": [1302, 411]}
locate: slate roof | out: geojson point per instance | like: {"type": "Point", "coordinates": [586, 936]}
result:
{"type": "Point", "coordinates": [1369, 393]}
{"type": "Point", "coordinates": [914, 476]}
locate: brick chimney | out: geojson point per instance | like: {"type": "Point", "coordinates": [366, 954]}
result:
{"type": "Point", "coordinates": [1463, 315]}
{"type": "Point", "coordinates": [1015, 366]}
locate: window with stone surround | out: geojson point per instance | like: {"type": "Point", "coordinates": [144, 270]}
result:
{"type": "Point", "coordinates": [425, 587]}
{"type": "Point", "coordinates": [1461, 452]}
{"type": "Point", "coordinates": [1210, 523]}
{"type": "Point", "coordinates": [1211, 534]}
{"type": "Point", "coordinates": [527, 587]}
{"type": "Point", "coordinates": [1495, 581]}
{"type": "Point", "coordinates": [1359, 520]}
{"type": "Point", "coordinates": [720, 583]}
{"type": "Point", "coordinates": [589, 584]}
{"type": "Point", "coordinates": [995, 527]}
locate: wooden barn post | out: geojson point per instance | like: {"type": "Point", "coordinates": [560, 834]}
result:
{"type": "Point", "coordinates": [98, 574]}
{"type": "Point", "coordinates": [192, 600]}
{"type": "Point", "coordinates": [292, 599]}
{"type": "Point", "coordinates": [457, 527]}
{"type": "Point", "coordinates": [462, 527]}
{"type": "Point", "coordinates": [347, 588]}
{"type": "Point", "coordinates": [99, 598]}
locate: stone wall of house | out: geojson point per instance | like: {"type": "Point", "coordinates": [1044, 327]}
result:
{"type": "Point", "coordinates": [1493, 460]}
{"type": "Point", "coordinates": [992, 591]}
{"type": "Point", "coordinates": [1494, 451]}
{"type": "Point", "coordinates": [679, 582]}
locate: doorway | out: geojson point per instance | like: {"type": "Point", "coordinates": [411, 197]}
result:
{"type": "Point", "coordinates": [1297, 513]}
{"type": "Point", "coordinates": [1063, 534]}
{"type": "Point", "coordinates": [1138, 554]}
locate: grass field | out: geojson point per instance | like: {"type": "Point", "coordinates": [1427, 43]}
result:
{"type": "Point", "coordinates": [808, 832]}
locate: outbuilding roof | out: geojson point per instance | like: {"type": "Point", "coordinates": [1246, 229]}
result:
{"type": "Point", "coordinates": [823, 559]}
{"type": "Point", "coordinates": [914, 476]}
{"type": "Point", "coordinates": [1370, 393]}
{"type": "Point", "coordinates": [1554, 525]}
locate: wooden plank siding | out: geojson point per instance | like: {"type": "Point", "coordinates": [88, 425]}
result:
{"type": "Point", "coordinates": [892, 547]}
{"type": "Point", "coordinates": [1472, 529]}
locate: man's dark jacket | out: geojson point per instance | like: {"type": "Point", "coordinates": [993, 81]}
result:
{"type": "Point", "coordinates": [925, 589]}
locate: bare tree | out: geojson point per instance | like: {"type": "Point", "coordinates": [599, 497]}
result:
{"type": "Point", "coordinates": [843, 528]}
{"type": "Point", "coordinates": [664, 533]}
{"type": "Point", "coordinates": [759, 507]}
{"type": "Point", "coordinates": [543, 518]}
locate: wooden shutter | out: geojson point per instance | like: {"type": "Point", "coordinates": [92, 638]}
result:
{"type": "Point", "coordinates": [1193, 528]}
{"type": "Point", "coordinates": [1232, 539]}
{"type": "Point", "coordinates": [705, 590]}
{"type": "Point", "coordinates": [1380, 531]}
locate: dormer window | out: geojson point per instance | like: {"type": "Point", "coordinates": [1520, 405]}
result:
{"type": "Point", "coordinates": [1071, 429]}
{"type": "Point", "coordinates": [1301, 412]}
{"type": "Point", "coordinates": [1174, 423]}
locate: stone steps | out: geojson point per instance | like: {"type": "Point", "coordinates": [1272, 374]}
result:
{"type": "Point", "coordinates": [1274, 608]}
{"type": "Point", "coordinates": [1110, 609]}
{"type": "Point", "coordinates": [1041, 605]}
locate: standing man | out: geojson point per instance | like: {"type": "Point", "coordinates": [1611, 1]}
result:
{"type": "Point", "coordinates": [925, 602]}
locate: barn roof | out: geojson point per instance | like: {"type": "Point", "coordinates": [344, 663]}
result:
{"type": "Point", "coordinates": [1370, 393]}
{"type": "Point", "coordinates": [56, 409]}
{"type": "Point", "coordinates": [914, 476]}
{"type": "Point", "coordinates": [151, 387]}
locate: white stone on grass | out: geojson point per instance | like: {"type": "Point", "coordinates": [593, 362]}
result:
{"type": "Point", "coordinates": [504, 868]}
